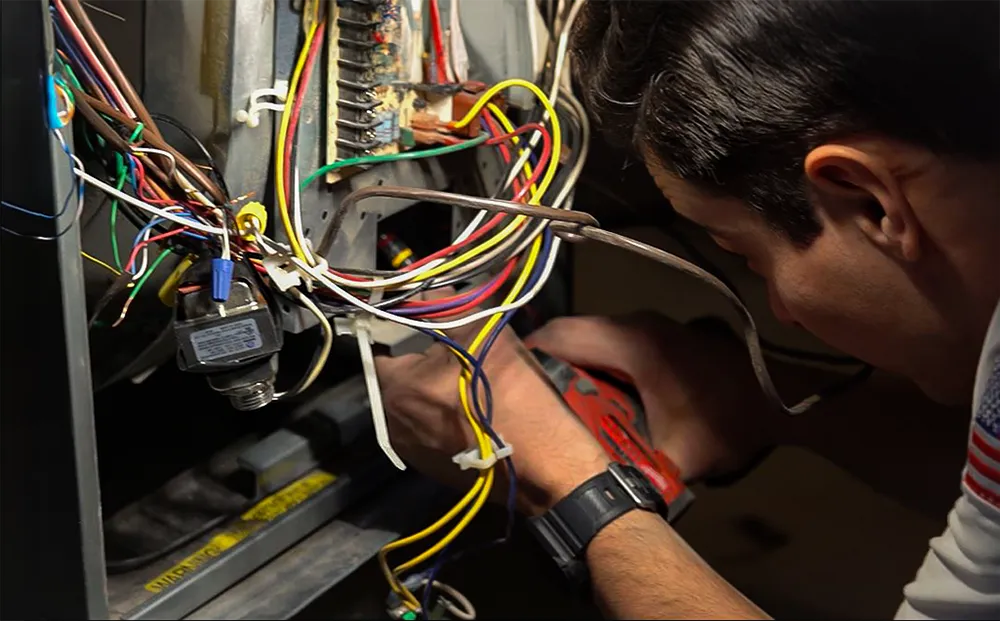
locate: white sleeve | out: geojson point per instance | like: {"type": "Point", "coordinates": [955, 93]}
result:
{"type": "Point", "coordinates": [960, 577]}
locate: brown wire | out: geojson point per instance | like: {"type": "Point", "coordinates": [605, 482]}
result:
{"type": "Point", "coordinates": [494, 205]}
{"type": "Point", "coordinates": [157, 142]}
{"type": "Point", "coordinates": [574, 232]}
{"type": "Point", "coordinates": [123, 83]}
{"type": "Point", "coordinates": [150, 129]}
{"type": "Point", "coordinates": [84, 105]}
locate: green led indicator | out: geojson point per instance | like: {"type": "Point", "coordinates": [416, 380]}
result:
{"type": "Point", "coordinates": [409, 615]}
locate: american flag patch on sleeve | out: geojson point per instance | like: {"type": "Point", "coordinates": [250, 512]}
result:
{"type": "Point", "coordinates": [982, 471]}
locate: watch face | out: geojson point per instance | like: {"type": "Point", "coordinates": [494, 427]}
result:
{"type": "Point", "coordinates": [636, 485]}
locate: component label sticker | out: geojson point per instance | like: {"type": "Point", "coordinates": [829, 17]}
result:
{"type": "Point", "coordinates": [222, 341]}
{"type": "Point", "coordinates": [267, 510]}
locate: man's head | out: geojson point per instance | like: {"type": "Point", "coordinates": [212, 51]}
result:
{"type": "Point", "coordinates": [850, 150]}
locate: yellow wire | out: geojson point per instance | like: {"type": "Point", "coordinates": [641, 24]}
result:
{"type": "Point", "coordinates": [101, 263]}
{"type": "Point", "coordinates": [484, 483]}
{"type": "Point", "coordinates": [485, 478]}
{"type": "Point", "coordinates": [485, 446]}
{"type": "Point", "coordinates": [279, 184]}
{"type": "Point", "coordinates": [509, 128]}
{"type": "Point", "coordinates": [536, 196]}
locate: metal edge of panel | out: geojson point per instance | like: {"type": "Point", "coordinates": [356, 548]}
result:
{"type": "Point", "coordinates": [326, 557]}
{"type": "Point", "coordinates": [49, 404]}
{"type": "Point", "coordinates": [260, 547]}
{"type": "Point", "coordinates": [203, 60]}
{"type": "Point", "coordinates": [82, 408]}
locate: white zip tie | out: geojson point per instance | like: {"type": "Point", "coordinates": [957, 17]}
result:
{"type": "Point", "coordinates": [359, 326]}
{"type": "Point", "coordinates": [251, 116]}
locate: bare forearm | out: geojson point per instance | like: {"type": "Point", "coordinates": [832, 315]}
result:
{"type": "Point", "coordinates": [641, 569]}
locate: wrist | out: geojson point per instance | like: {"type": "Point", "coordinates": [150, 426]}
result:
{"type": "Point", "coordinates": [555, 453]}
{"type": "Point", "coordinates": [554, 484]}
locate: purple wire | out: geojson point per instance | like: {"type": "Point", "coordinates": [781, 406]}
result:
{"type": "Point", "coordinates": [450, 304]}
{"type": "Point", "coordinates": [68, 46]}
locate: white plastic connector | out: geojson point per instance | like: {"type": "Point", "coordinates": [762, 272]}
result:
{"type": "Point", "coordinates": [473, 458]}
{"type": "Point", "coordinates": [251, 116]}
{"type": "Point", "coordinates": [277, 268]}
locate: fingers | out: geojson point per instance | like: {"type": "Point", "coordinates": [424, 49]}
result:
{"type": "Point", "coordinates": [595, 342]}
{"type": "Point", "coordinates": [625, 344]}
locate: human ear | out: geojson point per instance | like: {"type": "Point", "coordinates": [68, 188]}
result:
{"type": "Point", "coordinates": [862, 187]}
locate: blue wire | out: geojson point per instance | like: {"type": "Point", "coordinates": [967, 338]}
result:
{"type": "Point", "coordinates": [30, 212]}
{"type": "Point", "coordinates": [131, 173]}
{"type": "Point", "coordinates": [478, 373]}
{"type": "Point", "coordinates": [74, 55]}
{"type": "Point", "coordinates": [78, 188]}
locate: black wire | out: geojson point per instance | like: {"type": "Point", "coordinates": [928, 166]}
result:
{"type": "Point", "coordinates": [219, 177]}
{"type": "Point", "coordinates": [136, 562]}
{"type": "Point", "coordinates": [384, 304]}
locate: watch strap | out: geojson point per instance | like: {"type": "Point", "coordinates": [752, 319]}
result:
{"type": "Point", "coordinates": [566, 529]}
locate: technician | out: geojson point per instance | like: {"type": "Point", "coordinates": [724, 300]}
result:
{"type": "Point", "coordinates": [851, 152]}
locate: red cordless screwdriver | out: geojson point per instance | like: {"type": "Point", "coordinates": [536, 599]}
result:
{"type": "Point", "coordinates": [616, 418]}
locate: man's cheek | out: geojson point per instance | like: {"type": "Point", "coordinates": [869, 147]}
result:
{"type": "Point", "coordinates": [812, 301]}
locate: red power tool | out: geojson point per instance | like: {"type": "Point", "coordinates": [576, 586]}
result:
{"type": "Point", "coordinates": [614, 414]}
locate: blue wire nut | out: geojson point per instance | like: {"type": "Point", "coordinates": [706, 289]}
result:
{"type": "Point", "coordinates": [53, 110]}
{"type": "Point", "coordinates": [222, 279]}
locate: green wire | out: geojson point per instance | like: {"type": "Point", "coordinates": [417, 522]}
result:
{"type": "Point", "coordinates": [152, 268]}
{"type": "Point", "coordinates": [69, 71]}
{"type": "Point", "coordinates": [136, 133]}
{"type": "Point", "coordinates": [122, 173]}
{"type": "Point", "coordinates": [395, 157]}
{"type": "Point", "coordinates": [69, 92]}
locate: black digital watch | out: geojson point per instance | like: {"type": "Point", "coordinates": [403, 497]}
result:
{"type": "Point", "coordinates": [566, 529]}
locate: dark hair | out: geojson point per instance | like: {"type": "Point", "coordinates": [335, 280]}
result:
{"type": "Point", "coordinates": [732, 95]}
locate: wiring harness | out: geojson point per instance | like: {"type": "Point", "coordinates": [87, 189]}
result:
{"type": "Point", "coordinates": [509, 248]}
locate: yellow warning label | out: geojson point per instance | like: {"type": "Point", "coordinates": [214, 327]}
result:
{"type": "Point", "coordinates": [257, 517]}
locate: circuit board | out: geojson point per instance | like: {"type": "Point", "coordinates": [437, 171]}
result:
{"type": "Point", "coordinates": [374, 49]}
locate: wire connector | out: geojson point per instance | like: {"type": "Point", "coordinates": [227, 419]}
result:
{"type": "Point", "coordinates": [53, 110]}
{"type": "Point", "coordinates": [250, 220]}
{"type": "Point", "coordinates": [473, 458]}
{"type": "Point", "coordinates": [222, 279]}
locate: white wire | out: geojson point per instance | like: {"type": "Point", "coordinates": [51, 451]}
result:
{"type": "Point", "coordinates": [557, 70]}
{"type": "Point", "coordinates": [167, 154]}
{"type": "Point", "coordinates": [469, 612]}
{"type": "Point", "coordinates": [198, 226]}
{"type": "Point", "coordinates": [319, 361]}
{"type": "Point", "coordinates": [323, 279]}
{"type": "Point", "coordinates": [226, 252]}
{"type": "Point", "coordinates": [297, 219]}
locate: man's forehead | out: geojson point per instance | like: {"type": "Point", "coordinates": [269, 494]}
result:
{"type": "Point", "coordinates": [715, 213]}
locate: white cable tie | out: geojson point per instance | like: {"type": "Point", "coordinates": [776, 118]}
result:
{"type": "Point", "coordinates": [251, 116]}
{"type": "Point", "coordinates": [363, 334]}
{"type": "Point", "coordinates": [473, 458]}
{"type": "Point", "coordinates": [321, 264]}
{"type": "Point", "coordinates": [277, 268]}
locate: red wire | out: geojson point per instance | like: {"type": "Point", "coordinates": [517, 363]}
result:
{"type": "Point", "coordinates": [543, 159]}
{"type": "Point", "coordinates": [480, 297]}
{"type": "Point", "coordinates": [88, 53]}
{"type": "Point", "coordinates": [154, 238]}
{"type": "Point", "coordinates": [504, 151]}
{"type": "Point", "coordinates": [300, 96]}
{"type": "Point", "coordinates": [495, 220]}
{"type": "Point", "coordinates": [438, 39]}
